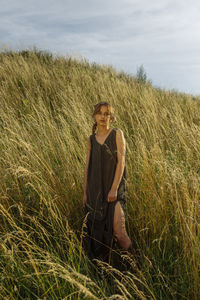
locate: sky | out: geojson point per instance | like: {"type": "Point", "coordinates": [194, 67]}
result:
{"type": "Point", "coordinates": [161, 35]}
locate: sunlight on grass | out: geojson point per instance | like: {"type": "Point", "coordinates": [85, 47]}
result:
{"type": "Point", "coordinates": [45, 119]}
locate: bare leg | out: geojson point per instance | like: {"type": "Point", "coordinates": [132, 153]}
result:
{"type": "Point", "coordinates": [119, 227]}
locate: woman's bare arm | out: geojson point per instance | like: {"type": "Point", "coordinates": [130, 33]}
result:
{"type": "Point", "coordinates": [121, 151]}
{"type": "Point", "coordinates": [86, 171]}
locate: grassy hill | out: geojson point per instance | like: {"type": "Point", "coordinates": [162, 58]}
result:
{"type": "Point", "coordinates": [46, 104]}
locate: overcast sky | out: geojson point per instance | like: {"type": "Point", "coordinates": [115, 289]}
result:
{"type": "Point", "coordinates": [161, 35]}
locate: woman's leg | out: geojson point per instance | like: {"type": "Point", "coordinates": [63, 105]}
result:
{"type": "Point", "coordinates": [119, 227]}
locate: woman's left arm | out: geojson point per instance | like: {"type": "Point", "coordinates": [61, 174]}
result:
{"type": "Point", "coordinates": [121, 150]}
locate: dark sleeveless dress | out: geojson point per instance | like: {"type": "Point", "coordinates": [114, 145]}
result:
{"type": "Point", "coordinates": [100, 213]}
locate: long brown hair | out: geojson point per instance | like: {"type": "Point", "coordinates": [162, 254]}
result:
{"type": "Point", "coordinates": [97, 108]}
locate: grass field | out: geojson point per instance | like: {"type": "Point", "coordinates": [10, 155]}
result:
{"type": "Point", "coordinates": [46, 104]}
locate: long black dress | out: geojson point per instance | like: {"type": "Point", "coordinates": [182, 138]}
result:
{"type": "Point", "coordinates": [100, 212]}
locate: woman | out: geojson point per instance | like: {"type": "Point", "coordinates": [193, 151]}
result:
{"type": "Point", "coordinates": [104, 185]}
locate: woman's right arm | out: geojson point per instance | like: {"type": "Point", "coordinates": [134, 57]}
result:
{"type": "Point", "coordinates": [86, 171]}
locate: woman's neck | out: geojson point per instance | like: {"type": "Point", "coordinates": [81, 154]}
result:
{"type": "Point", "coordinates": [102, 130]}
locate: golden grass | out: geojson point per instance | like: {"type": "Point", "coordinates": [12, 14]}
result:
{"type": "Point", "coordinates": [45, 119]}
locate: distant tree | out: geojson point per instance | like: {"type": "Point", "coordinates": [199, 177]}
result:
{"type": "Point", "coordinates": [141, 75]}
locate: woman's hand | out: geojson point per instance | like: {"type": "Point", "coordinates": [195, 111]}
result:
{"type": "Point", "coordinates": [84, 199]}
{"type": "Point", "coordinates": [112, 195]}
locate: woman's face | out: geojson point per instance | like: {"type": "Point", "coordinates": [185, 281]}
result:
{"type": "Point", "coordinates": [103, 116]}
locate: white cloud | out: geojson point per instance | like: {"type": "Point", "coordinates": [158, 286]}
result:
{"type": "Point", "coordinates": [161, 35]}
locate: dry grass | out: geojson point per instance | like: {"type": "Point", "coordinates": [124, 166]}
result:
{"type": "Point", "coordinates": [45, 118]}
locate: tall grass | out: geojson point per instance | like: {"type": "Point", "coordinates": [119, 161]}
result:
{"type": "Point", "coordinates": [45, 118]}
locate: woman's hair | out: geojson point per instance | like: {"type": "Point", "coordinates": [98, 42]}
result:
{"type": "Point", "coordinates": [97, 108]}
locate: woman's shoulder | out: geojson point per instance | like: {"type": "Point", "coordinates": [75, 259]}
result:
{"type": "Point", "coordinates": [119, 136]}
{"type": "Point", "coordinates": [89, 139]}
{"type": "Point", "coordinates": [119, 131]}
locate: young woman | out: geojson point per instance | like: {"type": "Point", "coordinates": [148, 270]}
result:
{"type": "Point", "coordinates": [105, 185]}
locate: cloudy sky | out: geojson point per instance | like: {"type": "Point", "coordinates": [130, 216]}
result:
{"type": "Point", "coordinates": [161, 35]}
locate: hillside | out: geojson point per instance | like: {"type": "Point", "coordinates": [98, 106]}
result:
{"type": "Point", "coordinates": [46, 104]}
